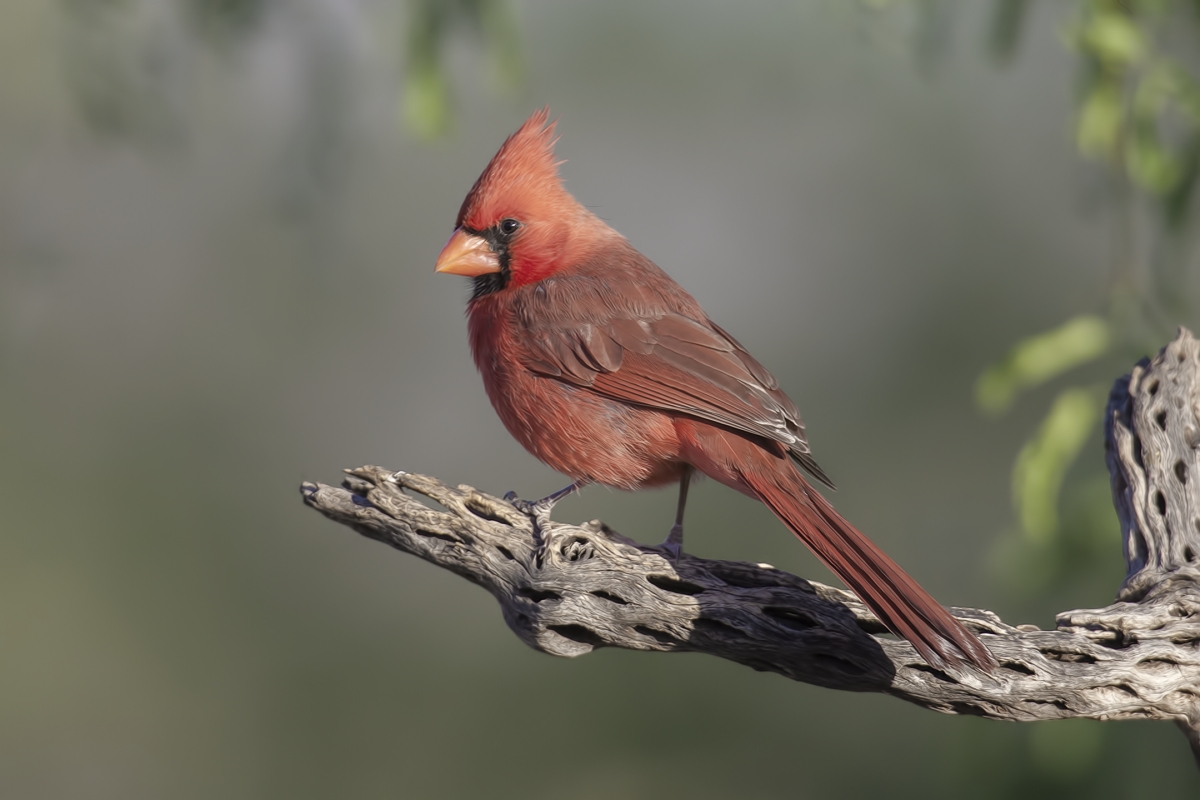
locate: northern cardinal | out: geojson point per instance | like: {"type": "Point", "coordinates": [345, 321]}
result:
{"type": "Point", "coordinates": [604, 368]}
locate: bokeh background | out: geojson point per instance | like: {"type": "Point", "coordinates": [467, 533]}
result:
{"type": "Point", "coordinates": [218, 222]}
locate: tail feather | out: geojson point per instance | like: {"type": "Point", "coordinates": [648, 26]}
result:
{"type": "Point", "coordinates": [898, 600]}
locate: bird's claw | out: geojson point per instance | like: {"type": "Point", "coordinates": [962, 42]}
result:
{"type": "Point", "coordinates": [530, 508]}
{"type": "Point", "coordinates": [670, 550]}
{"type": "Point", "coordinates": [539, 514]}
{"type": "Point", "coordinates": [672, 546]}
{"type": "Point", "coordinates": [538, 511]}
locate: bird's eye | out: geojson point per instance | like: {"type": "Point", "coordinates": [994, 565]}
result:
{"type": "Point", "coordinates": [509, 226]}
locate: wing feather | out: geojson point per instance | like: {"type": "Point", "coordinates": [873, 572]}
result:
{"type": "Point", "coordinates": [651, 345]}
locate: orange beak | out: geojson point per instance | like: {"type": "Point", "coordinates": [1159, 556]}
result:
{"type": "Point", "coordinates": [467, 255]}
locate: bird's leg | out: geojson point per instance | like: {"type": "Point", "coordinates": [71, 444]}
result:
{"type": "Point", "coordinates": [673, 544]}
{"type": "Point", "coordinates": [538, 512]}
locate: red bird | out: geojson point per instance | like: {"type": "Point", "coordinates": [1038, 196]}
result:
{"type": "Point", "coordinates": [607, 370]}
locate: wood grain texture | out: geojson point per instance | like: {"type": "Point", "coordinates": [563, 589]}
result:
{"type": "Point", "coordinates": [1136, 659]}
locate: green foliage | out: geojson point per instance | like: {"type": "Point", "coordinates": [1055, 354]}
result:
{"type": "Point", "coordinates": [122, 57]}
{"type": "Point", "coordinates": [1043, 462]}
{"type": "Point", "coordinates": [1140, 112]}
{"type": "Point", "coordinates": [427, 97]}
{"type": "Point", "coordinates": [1139, 118]}
{"type": "Point", "coordinates": [1006, 28]}
{"type": "Point", "coordinates": [1040, 358]}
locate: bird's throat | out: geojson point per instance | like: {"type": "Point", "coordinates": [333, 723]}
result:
{"type": "Point", "coordinates": [489, 283]}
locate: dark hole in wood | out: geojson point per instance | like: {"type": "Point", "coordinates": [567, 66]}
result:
{"type": "Point", "coordinates": [577, 633]}
{"type": "Point", "coordinates": [654, 633]}
{"type": "Point", "coordinates": [669, 584]}
{"type": "Point", "coordinates": [933, 671]}
{"type": "Point", "coordinates": [1073, 658]}
{"type": "Point", "coordinates": [967, 708]}
{"type": "Point", "coordinates": [359, 500]}
{"type": "Point", "coordinates": [715, 627]}
{"type": "Point", "coordinates": [1055, 703]}
{"type": "Point", "coordinates": [1152, 389]}
{"type": "Point", "coordinates": [791, 618]}
{"type": "Point", "coordinates": [1158, 663]}
{"type": "Point", "coordinates": [504, 551]}
{"type": "Point", "coordinates": [1160, 419]}
{"type": "Point", "coordinates": [610, 597]}
{"type": "Point", "coordinates": [578, 549]}
{"type": "Point", "coordinates": [1189, 555]}
{"type": "Point", "coordinates": [1160, 503]}
{"type": "Point", "coordinates": [538, 595]}
{"type": "Point", "coordinates": [483, 512]}
{"type": "Point", "coordinates": [445, 537]}
{"type": "Point", "coordinates": [1137, 452]}
{"type": "Point", "coordinates": [1014, 666]}
{"type": "Point", "coordinates": [1181, 471]}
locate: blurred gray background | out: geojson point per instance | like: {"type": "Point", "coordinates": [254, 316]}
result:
{"type": "Point", "coordinates": [217, 237]}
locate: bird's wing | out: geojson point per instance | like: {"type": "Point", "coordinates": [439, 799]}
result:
{"type": "Point", "coordinates": [671, 362]}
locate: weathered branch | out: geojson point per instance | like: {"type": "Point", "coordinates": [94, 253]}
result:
{"type": "Point", "coordinates": [1138, 658]}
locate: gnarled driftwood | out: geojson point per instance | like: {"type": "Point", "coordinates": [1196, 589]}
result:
{"type": "Point", "coordinates": [1137, 658]}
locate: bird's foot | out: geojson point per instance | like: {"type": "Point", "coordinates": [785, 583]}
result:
{"type": "Point", "coordinates": [672, 546]}
{"type": "Point", "coordinates": [538, 512]}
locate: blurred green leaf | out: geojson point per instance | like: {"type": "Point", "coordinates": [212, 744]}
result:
{"type": "Point", "coordinates": [1100, 120]}
{"type": "Point", "coordinates": [1113, 37]}
{"type": "Point", "coordinates": [1187, 91]}
{"type": "Point", "coordinates": [426, 107]}
{"type": "Point", "coordinates": [426, 101]}
{"type": "Point", "coordinates": [1153, 167]}
{"type": "Point", "coordinates": [1168, 91]}
{"type": "Point", "coordinates": [1179, 200]}
{"type": "Point", "coordinates": [1148, 159]}
{"type": "Point", "coordinates": [1039, 358]}
{"type": "Point", "coordinates": [1044, 460]}
{"type": "Point", "coordinates": [1005, 34]}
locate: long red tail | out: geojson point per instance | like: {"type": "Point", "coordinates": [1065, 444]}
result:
{"type": "Point", "coordinates": [898, 600]}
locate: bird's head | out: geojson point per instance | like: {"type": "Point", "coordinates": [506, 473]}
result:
{"type": "Point", "coordinates": [518, 224]}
